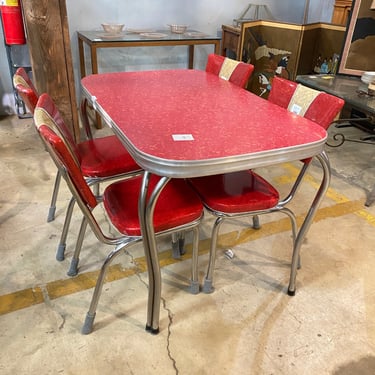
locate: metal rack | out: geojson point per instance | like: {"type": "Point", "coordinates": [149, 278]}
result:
{"type": "Point", "coordinates": [253, 12]}
{"type": "Point", "coordinates": [18, 56]}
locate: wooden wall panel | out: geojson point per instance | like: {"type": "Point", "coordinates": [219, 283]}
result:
{"type": "Point", "coordinates": [341, 11]}
{"type": "Point", "coordinates": [50, 53]}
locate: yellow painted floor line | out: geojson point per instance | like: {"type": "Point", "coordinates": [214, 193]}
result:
{"type": "Point", "coordinates": [59, 288]}
{"type": "Point", "coordinates": [20, 300]}
{"type": "Point", "coordinates": [331, 193]}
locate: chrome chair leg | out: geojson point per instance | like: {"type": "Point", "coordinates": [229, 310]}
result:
{"type": "Point", "coordinates": [324, 161]}
{"type": "Point", "coordinates": [178, 245]}
{"type": "Point", "coordinates": [90, 316]}
{"type": "Point", "coordinates": [207, 285]}
{"type": "Point", "coordinates": [60, 254]}
{"type": "Point", "coordinates": [194, 283]}
{"type": "Point", "coordinates": [95, 189]}
{"type": "Point", "coordinates": [73, 270]}
{"type": "Point", "coordinates": [256, 222]}
{"type": "Point", "coordinates": [208, 281]}
{"type": "Point", "coordinates": [293, 222]}
{"type": "Point", "coordinates": [52, 208]}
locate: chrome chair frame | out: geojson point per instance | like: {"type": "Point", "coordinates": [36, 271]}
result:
{"type": "Point", "coordinates": [208, 280]}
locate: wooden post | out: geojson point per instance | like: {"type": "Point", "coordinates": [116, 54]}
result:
{"type": "Point", "coordinates": [47, 34]}
{"type": "Point", "coordinates": [341, 11]}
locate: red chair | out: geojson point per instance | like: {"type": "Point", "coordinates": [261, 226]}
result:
{"type": "Point", "coordinates": [29, 94]}
{"type": "Point", "coordinates": [245, 193]}
{"type": "Point", "coordinates": [233, 71]}
{"type": "Point", "coordinates": [102, 159]}
{"type": "Point", "coordinates": [27, 91]}
{"type": "Point", "coordinates": [322, 109]}
{"type": "Point", "coordinates": [120, 202]}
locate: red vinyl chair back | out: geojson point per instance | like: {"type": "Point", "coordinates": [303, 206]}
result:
{"type": "Point", "coordinates": [67, 161]}
{"type": "Point", "coordinates": [282, 91]}
{"type": "Point", "coordinates": [49, 114]}
{"type": "Point", "coordinates": [323, 110]}
{"type": "Point", "coordinates": [26, 89]}
{"type": "Point", "coordinates": [239, 75]}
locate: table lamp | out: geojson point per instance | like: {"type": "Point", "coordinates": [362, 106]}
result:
{"type": "Point", "coordinates": [372, 6]}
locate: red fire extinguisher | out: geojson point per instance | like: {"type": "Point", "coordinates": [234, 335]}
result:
{"type": "Point", "coordinates": [11, 16]}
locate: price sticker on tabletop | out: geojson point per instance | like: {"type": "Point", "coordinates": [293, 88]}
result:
{"type": "Point", "coordinates": [182, 137]}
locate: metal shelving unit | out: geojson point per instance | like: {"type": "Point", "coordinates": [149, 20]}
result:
{"type": "Point", "coordinates": [18, 56]}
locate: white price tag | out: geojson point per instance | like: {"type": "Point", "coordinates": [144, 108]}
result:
{"type": "Point", "coordinates": [183, 137]}
{"type": "Point", "coordinates": [296, 109]}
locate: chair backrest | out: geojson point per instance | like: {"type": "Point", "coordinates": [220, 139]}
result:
{"type": "Point", "coordinates": [47, 113]}
{"type": "Point", "coordinates": [316, 106]}
{"type": "Point", "coordinates": [234, 71]}
{"type": "Point", "coordinates": [282, 91]}
{"type": "Point", "coordinates": [25, 89]}
{"type": "Point", "coordinates": [66, 162]}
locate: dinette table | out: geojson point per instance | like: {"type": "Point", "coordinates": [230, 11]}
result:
{"type": "Point", "coordinates": [188, 123]}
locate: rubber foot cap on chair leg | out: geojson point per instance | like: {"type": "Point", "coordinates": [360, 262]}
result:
{"type": "Point", "coordinates": [291, 292]}
{"type": "Point", "coordinates": [194, 287]}
{"type": "Point", "coordinates": [60, 254]}
{"type": "Point", "coordinates": [51, 214]}
{"type": "Point", "coordinates": [207, 286]}
{"type": "Point", "coordinates": [153, 331]}
{"type": "Point", "coordinates": [87, 325]}
{"type": "Point", "coordinates": [73, 270]}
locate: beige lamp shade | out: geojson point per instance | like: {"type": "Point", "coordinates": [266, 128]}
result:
{"type": "Point", "coordinates": [372, 4]}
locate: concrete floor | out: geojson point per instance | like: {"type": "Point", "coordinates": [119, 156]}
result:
{"type": "Point", "coordinates": [249, 325]}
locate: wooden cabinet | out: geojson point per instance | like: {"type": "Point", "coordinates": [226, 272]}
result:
{"type": "Point", "coordinates": [341, 10]}
{"type": "Point", "coordinates": [50, 54]}
{"type": "Point", "coordinates": [231, 41]}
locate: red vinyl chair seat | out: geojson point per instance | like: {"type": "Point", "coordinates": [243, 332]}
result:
{"type": "Point", "coordinates": [106, 156]}
{"type": "Point", "coordinates": [177, 205]}
{"type": "Point", "coordinates": [237, 192]}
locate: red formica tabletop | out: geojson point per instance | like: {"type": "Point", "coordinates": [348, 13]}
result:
{"type": "Point", "coordinates": [188, 123]}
